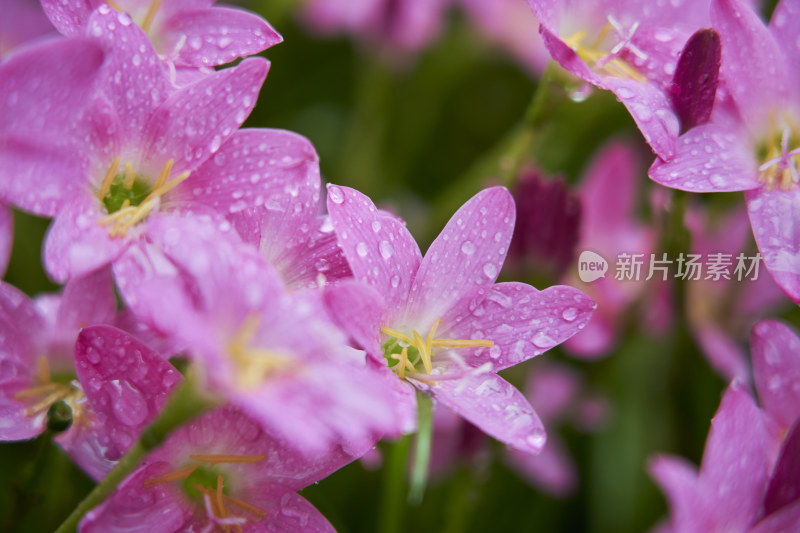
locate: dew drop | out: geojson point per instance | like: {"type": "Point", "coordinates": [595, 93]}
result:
{"type": "Point", "coordinates": [395, 281]}
{"type": "Point", "coordinates": [570, 314]}
{"type": "Point", "coordinates": [361, 249]}
{"type": "Point", "coordinates": [543, 340]}
{"type": "Point", "coordinates": [127, 402]}
{"type": "Point", "coordinates": [376, 226]}
{"type": "Point", "coordinates": [490, 270]}
{"type": "Point", "coordinates": [468, 248]}
{"type": "Point", "coordinates": [386, 249]}
{"type": "Point", "coordinates": [536, 439]}
{"type": "Point", "coordinates": [336, 195]}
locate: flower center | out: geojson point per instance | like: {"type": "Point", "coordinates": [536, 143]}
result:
{"type": "Point", "coordinates": [253, 364]}
{"type": "Point", "coordinates": [415, 350]}
{"type": "Point", "coordinates": [203, 482]}
{"type": "Point", "coordinates": [605, 53]}
{"type": "Point", "coordinates": [47, 392]}
{"type": "Point", "coordinates": [128, 197]}
{"type": "Point", "coordinates": [146, 21]}
{"type": "Point", "coordinates": [781, 158]}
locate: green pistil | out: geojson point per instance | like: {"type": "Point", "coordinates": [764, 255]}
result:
{"type": "Point", "coordinates": [202, 476]}
{"type": "Point", "coordinates": [118, 193]}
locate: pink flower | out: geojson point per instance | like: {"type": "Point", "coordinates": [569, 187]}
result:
{"type": "Point", "coordinates": [23, 21]}
{"type": "Point", "coordinates": [220, 470]}
{"type": "Point", "coordinates": [439, 322]}
{"type": "Point", "coordinates": [105, 177]}
{"type": "Point", "coordinates": [752, 143]}
{"type": "Point", "coordinates": [274, 354]}
{"type": "Point", "coordinates": [190, 33]}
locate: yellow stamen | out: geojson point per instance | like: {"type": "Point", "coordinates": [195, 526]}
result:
{"type": "Point", "coordinates": [177, 475]}
{"type": "Point", "coordinates": [130, 176]}
{"type": "Point", "coordinates": [397, 335]}
{"type": "Point", "coordinates": [44, 369]}
{"type": "Point", "coordinates": [471, 343]}
{"type": "Point", "coordinates": [105, 186]}
{"type": "Point", "coordinates": [423, 352]}
{"type": "Point", "coordinates": [593, 53]}
{"type": "Point", "coordinates": [37, 390]}
{"type": "Point", "coordinates": [113, 5]}
{"type": "Point", "coordinates": [221, 458]}
{"type": "Point", "coordinates": [220, 504]}
{"type": "Point", "coordinates": [152, 10]}
{"type": "Point", "coordinates": [164, 174]}
{"type": "Point", "coordinates": [244, 505]}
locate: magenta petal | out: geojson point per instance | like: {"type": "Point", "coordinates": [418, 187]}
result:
{"type": "Point", "coordinates": [495, 406]}
{"type": "Point", "coordinates": [68, 16]}
{"type": "Point", "coordinates": [88, 300]}
{"type": "Point", "coordinates": [177, 131]}
{"type": "Point", "coordinates": [76, 244]}
{"type": "Point", "coordinates": [125, 382]}
{"type": "Point", "coordinates": [6, 237]}
{"type": "Point", "coordinates": [217, 35]}
{"type": "Point", "coordinates": [782, 521]}
{"type": "Point", "coordinates": [773, 215]}
{"type": "Point", "coordinates": [783, 26]}
{"type": "Point", "coordinates": [290, 512]}
{"type": "Point", "coordinates": [776, 370]}
{"type": "Point", "coordinates": [784, 485]}
{"type": "Point", "coordinates": [709, 158]}
{"type": "Point", "coordinates": [678, 479]}
{"type": "Point", "coordinates": [380, 250]}
{"type": "Point", "coordinates": [694, 85]}
{"type": "Point", "coordinates": [722, 351]}
{"type": "Point", "coordinates": [752, 60]}
{"type": "Point", "coordinates": [523, 322]}
{"type": "Point", "coordinates": [359, 310]}
{"type": "Point", "coordinates": [552, 470]}
{"type": "Point", "coordinates": [734, 468]}
{"type": "Point", "coordinates": [466, 256]}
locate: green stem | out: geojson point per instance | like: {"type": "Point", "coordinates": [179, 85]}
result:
{"type": "Point", "coordinates": [422, 448]}
{"type": "Point", "coordinates": [184, 405]}
{"type": "Point", "coordinates": [392, 504]}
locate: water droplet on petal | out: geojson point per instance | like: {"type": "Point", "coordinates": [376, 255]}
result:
{"type": "Point", "coordinates": [490, 270]}
{"type": "Point", "coordinates": [570, 314]}
{"type": "Point", "coordinates": [468, 247]}
{"type": "Point", "coordinates": [127, 402]}
{"type": "Point", "coordinates": [494, 352]}
{"type": "Point", "coordinates": [536, 439]}
{"type": "Point", "coordinates": [376, 226]}
{"type": "Point", "coordinates": [336, 195]}
{"type": "Point", "coordinates": [361, 249]}
{"type": "Point", "coordinates": [386, 249]}
{"type": "Point", "coordinates": [543, 340]}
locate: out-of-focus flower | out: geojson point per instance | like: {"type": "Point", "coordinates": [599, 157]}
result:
{"type": "Point", "coordinates": [722, 312]}
{"type": "Point", "coordinates": [609, 228]}
{"type": "Point", "coordinates": [752, 143]}
{"type": "Point", "coordinates": [274, 354]}
{"type": "Point", "coordinates": [6, 237]}
{"type": "Point", "coordinates": [190, 33]}
{"type": "Point", "coordinates": [138, 139]}
{"type": "Point", "coordinates": [219, 471]}
{"type": "Point", "coordinates": [628, 47]}
{"type": "Point", "coordinates": [22, 21]}
{"type": "Point", "coordinates": [403, 24]}
{"type": "Point", "coordinates": [440, 323]}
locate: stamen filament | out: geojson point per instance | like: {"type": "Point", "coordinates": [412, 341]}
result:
{"type": "Point", "coordinates": [423, 352]}
{"type": "Point", "coordinates": [37, 390]}
{"type": "Point", "coordinates": [221, 458]}
{"type": "Point", "coordinates": [244, 505]}
{"type": "Point", "coordinates": [130, 176]}
{"type": "Point", "coordinates": [398, 335]}
{"type": "Point", "coordinates": [177, 475]}
{"type": "Point", "coordinates": [44, 369]}
{"type": "Point", "coordinates": [472, 343]}
{"type": "Point", "coordinates": [109, 177]}
{"type": "Point", "coordinates": [152, 10]}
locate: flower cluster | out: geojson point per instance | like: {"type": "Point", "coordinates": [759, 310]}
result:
{"type": "Point", "coordinates": [182, 238]}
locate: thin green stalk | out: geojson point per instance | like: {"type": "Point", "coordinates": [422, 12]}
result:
{"type": "Point", "coordinates": [390, 517]}
{"type": "Point", "coordinates": [422, 448]}
{"type": "Point", "coordinates": [184, 405]}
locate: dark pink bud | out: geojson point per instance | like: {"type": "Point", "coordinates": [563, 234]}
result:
{"type": "Point", "coordinates": [694, 84]}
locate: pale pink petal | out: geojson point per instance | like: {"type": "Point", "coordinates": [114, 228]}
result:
{"type": "Point", "coordinates": [596, 339]}
{"type": "Point", "coordinates": [69, 16]}
{"type": "Point", "coordinates": [317, 261]}
{"type": "Point", "coordinates": [359, 310]}
{"type": "Point", "coordinates": [87, 300]}
{"type": "Point", "coordinates": [290, 512]}
{"type": "Point", "coordinates": [125, 382]}
{"type": "Point", "coordinates": [495, 406]}
{"type": "Point", "coordinates": [783, 26]}
{"type": "Point", "coordinates": [551, 470]}
{"type": "Point", "coordinates": [774, 215]}
{"type": "Point", "coordinates": [734, 469]}
{"type": "Point", "coordinates": [22, 22]}
{"type": "Point", "coordinates": [76, 244]}
{"type": "Point", "coordinates": [466, 256]}
{"type": "Point", "coordinates": [6, 237]}
{"type": "Point", "coordinates": [722, 351]}
{"type": "Point", "coordinates": [712, 157]}
{"type": "Point", "coordinates": [752, 60]}
{"type": "Point", "coordinates": [522, 321]}
{"type": "Point", "coordinates": [216, 35]}
{"type": "Point", "coordinates": [552, 388]}
{"type": "Point", "coordinates": [678, 479]}
{"type": "Point", "coordinates": [136, 81]}
{"type": "Point", "coordinates": [44, 91]}
{"type": "Point", "coordinates": [776, 370]}
{"type": "Point", "coordinates": [608, 191]}
{"type": "Point", "coordinates": [176, 130]}
{"type": "Point", "coordinates": [380, 250]}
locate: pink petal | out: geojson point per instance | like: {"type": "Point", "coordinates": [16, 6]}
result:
{"type": "Point", "coordinates": [782, 521]}
{"type": "Point", "coordinates": [291, 512]}
{"type": "Point", "coordinates": [359, 310]}
{"type": "Point", "coordinates": [312, 263]}
{"type": "Point", "coordinates": [596, 339]}
{"type": "Point", "coordinates": [783, 26]}
{"type": "Point", "coordinates": [714, 157]}
{"type": "Point", "coordinates": [552, 388]}
{"type": "Point", "coordinates": [552, 470]}
{"type": "Point", "coordinates": [76, 244]}
{"type": "Point", "coordinates": [495, 406]}
{"type": "Point", "coordinates": [678, 479]}
{"type": "Point", "coordinates": [6, 237]}
{"type": "Point", "coordinates": [752, 60]}
{"type": "Point", "coordinates": [773, 215]}
{"type": "Point", "coordinates": [69, 16]}
{"type": "Point", "coordinates": [125, 382]}
{"type": "Point", "coordinates": [88, 300]}
{"type": "Point", "coordinates": [784, 485]}
{"type": "Point", "coordinates": [135, 79]}
{"type": "Point", "coordinates": [380, 250]}
{"type": "Point", "coordinates": [776, 370]}
{"type": "Point", "coordinates": [608, 191]}
{"type": "Point", "coordinates": [216, 35]}
{"type": "Point", "coordinates": [722, 351]}
{"type": "Point", "coordinates": [465, 258]}
{"type": "Point", "coordinates": [177, 131]}
{"type": "Point", "coordinates": [522, 321]}
{"type": "Point", "coordinates": [734, 469]}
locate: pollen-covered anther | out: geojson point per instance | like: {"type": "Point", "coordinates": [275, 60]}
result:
{"type": "Point", "coordinates": [130, 212]}
{"type": "Point", "coordinates": [780, 170]}
{"type": "Point", "coordinates": [48, 392]}
{"type": "Point", "coordinates": [597, 55]}
{"type": "Point", "coordinates": [424, 348]}
{"type": "Point", "coordinates": [253, 364]}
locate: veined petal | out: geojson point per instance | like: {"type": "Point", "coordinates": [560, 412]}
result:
{"type": "Point", "coordinates": [495, 406]}
{"type": "Point", "coordinates": [522, 322]}
{"type": "Point", "coordinates": [709, 158]}
{"type": "Point", "coordinates": [783, 26]}
{"type": "Point", "coordinates": [380, 250]}
{"type": "Point", "coordinates": [753, 63]}
{"type": "Point", "coordinates": [290, 512]}
{"type": "Point", "coordinates": [774, 216]}
{"type": "Point", "coordinates": [734, 468]}
{"type": "Point", "coordinates": [216, 35]}
{"type": "Point", "coordinates": [69, 16]}
{"type": "Point", "coordinates": [359, 310]}
{"type": "Point", "coordinates": [776, 370]}
{"type": "Point", "coordinates": [466, 256]}
{"type": "Point", "coordinates": [177, 130]}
